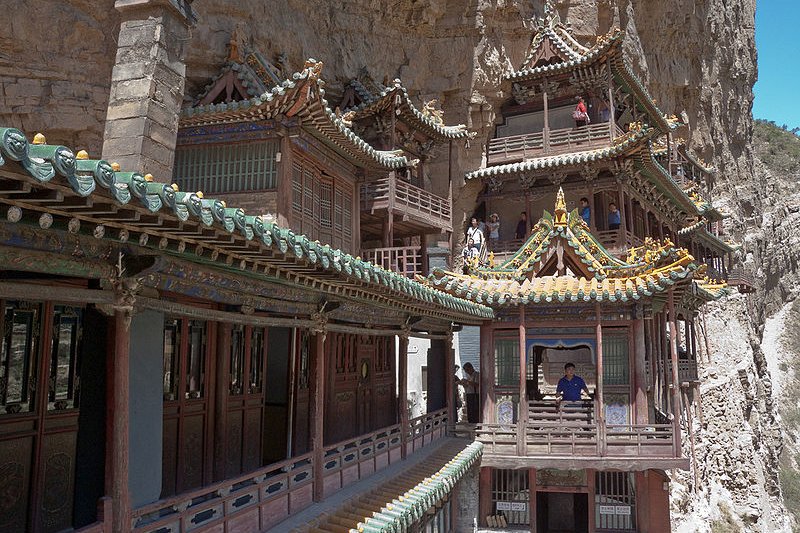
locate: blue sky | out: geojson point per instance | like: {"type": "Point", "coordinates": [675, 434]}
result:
{"type": "Point", "coordinates": [778, 87]}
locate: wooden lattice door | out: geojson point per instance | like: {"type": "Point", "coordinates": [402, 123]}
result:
{"type": "Point", "coordinates": [38, 415]}
{"type": "Point", "coordinates": [187, 378]}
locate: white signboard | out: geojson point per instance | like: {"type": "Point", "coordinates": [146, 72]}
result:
{"type": "Point", "coordinates": [615, 509]}
{"type": "Point", "coordinates": [512, 506]}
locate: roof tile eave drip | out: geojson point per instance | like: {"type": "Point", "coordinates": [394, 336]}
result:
{"type": "Point", "coordinates": [44, 162]}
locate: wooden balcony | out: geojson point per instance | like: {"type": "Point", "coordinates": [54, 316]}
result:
{"type": "Point", "coordinates": [267, 496]}
{"type": "Point", "coordinates": [742, 280]}
{"type": "Point", "coordinates": [415, 210]}
{"type": "Point", "coordinates": [687, 371]}
{"type": "Point", "coordinates": [549, 142]}
{"type": "Point", "coordinates": [571, 437]}
{"type": "Point", "coordinates": [405, 260]}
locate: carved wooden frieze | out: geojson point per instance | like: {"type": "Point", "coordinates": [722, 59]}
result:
{"type": "Point", "coordinates": [550, 477]}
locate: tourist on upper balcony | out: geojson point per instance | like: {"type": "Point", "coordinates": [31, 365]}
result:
{"type": "Point", "coordinates": [471, 384]}
{"type": "Point", "coordinates": [476, 234]}
{"type": "Point", "coordinates": [585, 211]}
{"type": "Point", "coordinates": [581, 114]}
{"type": "Point", "coordinates": [522, 227]}
{"type": "Point", "coordinates": [570, 386]}
{"type": "Point", "coordinates": [494, 230]}
{"type": "Point", "coordinates": [614, 220]}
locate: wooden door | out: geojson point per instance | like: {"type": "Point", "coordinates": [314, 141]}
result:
{"type": "Point", "coordinates": [341, 417]}
{"type": "Point", "coordinates": [187, 378]}
{"type": "Point", "coordinates": [38, 415]}
{"type": "Point", "coordinates": [245, 401]}
{"type": "Point", "coordinates": [300, 419]}
{"type": "Point", "coordinates": [366, 368]}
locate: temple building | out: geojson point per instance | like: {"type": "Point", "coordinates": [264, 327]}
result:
{"type": "Point", "coordinates": [210, 325]}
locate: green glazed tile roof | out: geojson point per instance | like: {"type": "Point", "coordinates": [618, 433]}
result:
{"type": "Point", "coordinates": [44, 162]}
{"type": "Point", "coordinates": [397, 94]}
{"type": "Point", "coordinates": [302, 96]}
{"type": "Point", "coordinates": [629, 143]}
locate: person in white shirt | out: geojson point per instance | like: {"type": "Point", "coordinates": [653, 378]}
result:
{"type": "Point", "coordinates": [471, 384]}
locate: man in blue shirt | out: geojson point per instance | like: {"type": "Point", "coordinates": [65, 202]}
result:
{"type": "Point", "coordinates": [585, 212]}
{"type": "Point", "coordinates": [614, 219]}
{"type": "Point", "coordinates": [570, 386]}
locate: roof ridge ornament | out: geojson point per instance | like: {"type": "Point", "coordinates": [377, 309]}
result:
{"type": "Point", "coordinates": [561, 209]}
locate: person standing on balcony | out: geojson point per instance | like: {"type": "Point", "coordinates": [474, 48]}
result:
{"type": "Point", "coordinates": [570, 387]}
{"type": "Point", "coordinates": [477, 236]}
{"type": "Point", "coordinates": [494, 230]}
{"type": "Point", "coordinates": [581, 113]}
{"type": "Point", "coordinates": [614, 220]}
{"type": "Point", "coordinates": [522, 227]}
{"type": "Point", "coordinates": [471, 384]}
{"type": "Point", "coordinates": [585, 211]}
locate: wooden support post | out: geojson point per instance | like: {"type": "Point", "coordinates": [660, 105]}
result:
{"type": "Point", "coordinates": [676, 393]}
{"type": "Point", "coordinates": [696, 474]}
{"type": "Point", "coordinates": [623, 226]}
{"type": "Point", "coordinates": [402, 393]}
{"type": "Point", "coordinates": [598, 396]}
{"type": "Point", "coordinates": [487, 374]}
{"type": "Point", "coordinates": [592, 214]}
{"type": "Point", "coordinates": [484, 495]}
{"type": "Point", "coordinates": [591, 475]}
{"type": "Point", "coordinates": [449, 366]}
{"type": "Point", "coordinates": [317, 414]}
{"type": "Point", "coordinates": [640, 382]}
{"type": "Point", "coordinates": [532, 498]}
{"type": "Point", "coordinates": [705, 335]}
{"type": "Point", "coordinates": [612, 113]}
{"type": "Point", "coordinates": [285, 177]}
{"type": "Point", "coordinates": [119, 416]}
{"type": "Point", "coordinates": [522, 417]}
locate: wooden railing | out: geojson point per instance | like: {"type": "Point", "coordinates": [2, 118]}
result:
{"type": "Point", "coordinates": [530, 145]}
{"type": "Point", "coordinates": [405, 260]}
{"type": "Point", "coordinates": [610, 239]}
{"type": "Point", "coordinates": [348, 461]}
{"type": "Point", "coordinates": [687, 371]}
{"type": "Point", "coordinates": [275, 491]}
{"type": "Point", "coordinates": [425, 429]}
{"type": "Point", "coordinates": [398, 196]}
{"type": "Point", "coordinates": [261, 499]}
{"type": "Point", "coordinates": [741, 279]}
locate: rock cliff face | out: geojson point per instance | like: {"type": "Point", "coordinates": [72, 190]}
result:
{"type": "Point", "coordinates": [695, 56]}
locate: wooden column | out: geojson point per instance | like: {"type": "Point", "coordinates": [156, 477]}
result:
{"type": "Point", "coordinates": [676, 392]}
{"type": "Point", "coordinates": [484, 495]}
{"type": "Point", "coordinates": [522, 417]}
{"type": "Point", "coordinates": [119, 416]}
{"type": "Point", "coordinates": [449, 366]}
{"type": "Point", "coordinates": [285, 177]}
{"type": "Point", "coordinates": [317, 414]}
{"type": "Point", "coordinates": [591, 475]}
{"type": "Point", "coordinates": [487, 374]}
{"type": "Point", "coordinates": [640, 382]}
{"type": "Point", "coordinates": [402, 393]}
{"type": "Point", "coordinates": [592, 217]}
{"type": "Point", "coordinates": [687, 407]}
{"type": "Point", "coordinates": [598, 396]}
{"type": "Point", "coordinates": [612, 118]}
{"type": "Point", "coordinates": [623, 226]}
{"type": "Point", "coordinates": [532, 498]}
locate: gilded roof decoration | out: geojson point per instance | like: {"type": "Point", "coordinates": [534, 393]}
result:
{"type": "Point", "coordinates": [44, 163]}
{"type": "Point", "coordinates": [302, 96]}
{"type": "Point", "coordinates": [429, 119]}
{"type": "Point", "coordinates": [526, 278]}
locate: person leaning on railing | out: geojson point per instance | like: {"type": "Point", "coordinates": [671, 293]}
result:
{"type": "Point", "coordinates": [570, 387]}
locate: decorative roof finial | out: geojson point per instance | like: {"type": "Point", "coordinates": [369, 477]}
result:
{"type": "Point", "coordinates": [233, 53]}
{"type": "Point", "coordinates": [561, 209]}
{"type": "Point", "coordinates": [551, 16]}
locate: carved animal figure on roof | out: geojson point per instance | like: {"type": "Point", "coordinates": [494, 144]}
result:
{"type": "Point", "coordinates": [429, 110]}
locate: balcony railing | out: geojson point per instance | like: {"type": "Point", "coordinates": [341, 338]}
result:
{"type": "Point", "coordinates": [279, 490]}
{"type": "Point", "coordinates": [742, 279]}
{"type": "Point", "coordinates": [551, 142]}
{"type": "Point", "coordinates": [405, 260]}
{"type": "Point", "coordinates": [687, 371]}
{"type": "Point", "coordinates": [400, 197]}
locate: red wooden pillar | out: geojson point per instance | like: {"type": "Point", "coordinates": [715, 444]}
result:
{"type": "Point", "coordinates": [223, 361]}
{"type": "Point", "coordinates": [119, 416]}
{"type": "Point", "coordinates": [522, 417]}
{"type": "Point", "coordinates": [487, 373]}
{"type": "Point", "coordinates": [598, 396]}
{"type": "Point", "coordinates": [591, 487]}
{"type": "Point", "coordinates": [450, 364]}
{"type": "Point", "coordinates": [317, 413]}
{"type": "Point", "coordinates": [402, 400]}
{"type": "Point", "coordinates": [532, 498]}
{"type": "Point", "coordinates": [676, 392]}
{"type": "Point", "coordinates": [484, 495]}
{"type": "Point", "coordinates": [285, 179]}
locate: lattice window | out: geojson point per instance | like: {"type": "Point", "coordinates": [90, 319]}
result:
{"type": "Point", "coordinates": [235, 383]}
{"type": "Point", "coordinates": [511, 494]}
{"type": "Point", "coordinates": [172, 343]}
{"type": "Point", "coordinates": [256, 359]}
{"type": "Point", "coordinates": [506, 362]}
{"type": "Point", "coordinates": [615, 501]}
{"type": "Point", "coordinates": [234, 167]}
{"type": "Point", "coordinates": [196, 360]}
{"type": "Point", "coordinates": [63, 389]}
{"type": "Point", "coordinates": [616, 364]}
{"type": "Point", "coordinates": [18, 356]}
